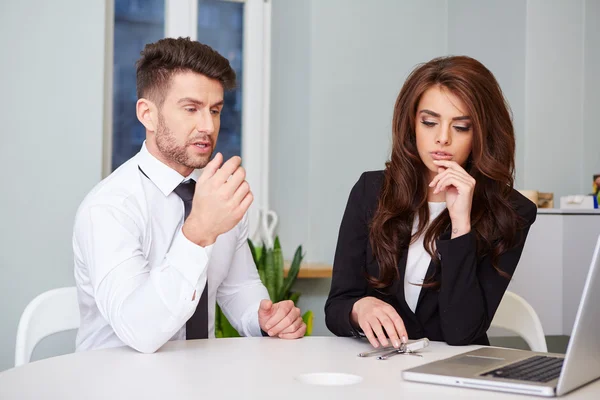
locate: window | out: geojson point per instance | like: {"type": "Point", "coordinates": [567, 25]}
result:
{"type": "Point", "coordinates": [137, 22]}
{"type": "Point", "coordinates": [220, 25]}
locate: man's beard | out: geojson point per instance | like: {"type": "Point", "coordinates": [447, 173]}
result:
{"type": "Point", "coordinates": [167, 145]}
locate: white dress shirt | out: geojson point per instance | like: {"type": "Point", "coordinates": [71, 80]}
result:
{"type": "Point", "coordinates": [136, 272]}
{"type": "Point", "coordinates": [418, 260]}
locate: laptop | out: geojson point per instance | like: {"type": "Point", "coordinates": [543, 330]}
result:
{"type": "Point", "coordinates": [527, 372]}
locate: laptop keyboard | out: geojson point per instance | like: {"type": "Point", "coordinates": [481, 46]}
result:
{"type": "Point", "coordinates": [534, 369]}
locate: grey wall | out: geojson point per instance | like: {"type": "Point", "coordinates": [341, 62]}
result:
{"type": "Point", "coordinates": [353, 89]}
{"type": "Point", "coordinates": [494, 33]}
{"type": "Point", "coordinates": [591, 93]}
{"type": "Point", "coordinates": [554, 96]}
{"type": "Point", "coordinates": [290, 120]}
{"type": "Point", "coordinates": [51, 112]}
{"type": "Point", "coordinates": [335, 84]}
{"type": "Point", "coordinates": [331, 122]}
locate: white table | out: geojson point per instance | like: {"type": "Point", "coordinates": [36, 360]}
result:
{"type": "Point", "coordinates": [241, 368]}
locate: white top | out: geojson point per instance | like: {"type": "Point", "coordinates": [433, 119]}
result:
{"type": "Point", "coordinates": [418, 260]}
{"type": "Point", "coordinates": [242, 368]}
{"type": "Point", "coordinates": [136, 272]}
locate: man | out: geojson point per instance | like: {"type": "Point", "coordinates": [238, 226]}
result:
{"type": "Point", "coordinates": [158, 242]}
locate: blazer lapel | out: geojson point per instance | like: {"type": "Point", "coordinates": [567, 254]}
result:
{"type": "Point", "coordinates": [398, 286]}
{"type": "Point", "coordinates": [430, 271]}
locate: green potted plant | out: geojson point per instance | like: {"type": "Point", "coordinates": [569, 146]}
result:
{"type": "Point", "coordinates": [270, 265]}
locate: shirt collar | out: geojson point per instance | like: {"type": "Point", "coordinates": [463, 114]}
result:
{"type": "Point", "coordinates": [163, 176]}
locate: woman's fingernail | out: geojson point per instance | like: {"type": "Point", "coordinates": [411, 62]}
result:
{"type": "Point", "coordinates": [396, 343]}
{"type": "Point", "coordinates": [404, 339]}
{"type": "Point", "coordinates": [376, 345]}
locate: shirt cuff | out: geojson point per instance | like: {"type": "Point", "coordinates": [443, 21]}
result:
{"type": "Point", "coordinates": [251, 325]}
{"type": "Point", "coordinates": [188, 258]}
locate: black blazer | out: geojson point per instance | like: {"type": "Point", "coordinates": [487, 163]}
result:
{"type": "Point", "coordinates": [459, 312]}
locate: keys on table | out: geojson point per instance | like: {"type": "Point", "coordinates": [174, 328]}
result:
{"type": "Point", "coordinates": [390, 351]}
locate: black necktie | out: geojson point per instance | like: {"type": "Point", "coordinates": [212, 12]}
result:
{"type": "Point", "coordinates": [197, 326]}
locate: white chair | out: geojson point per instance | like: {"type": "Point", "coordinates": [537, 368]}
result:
{"type": "Point", "coordinates": [53, 311]}
{"type": "Point", "coordinates": [516, 315]}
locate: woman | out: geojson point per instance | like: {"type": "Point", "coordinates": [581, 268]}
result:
{"type": "Point", "coordinates": [427, 247]}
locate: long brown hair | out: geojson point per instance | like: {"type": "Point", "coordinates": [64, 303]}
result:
{"type": "Point", "coordinates": [491, 163]}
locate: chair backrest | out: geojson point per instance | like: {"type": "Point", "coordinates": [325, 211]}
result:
{"type": "Point", "coordinates": [53, 311]}
{"type": "Point", "coordinates": [516, 314]}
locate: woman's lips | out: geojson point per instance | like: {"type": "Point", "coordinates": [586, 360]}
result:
{"type": "Point", "coordinates": [440, 155]}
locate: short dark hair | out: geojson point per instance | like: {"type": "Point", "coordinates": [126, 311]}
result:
{"type": "Point", "coordinates": [161, 60]}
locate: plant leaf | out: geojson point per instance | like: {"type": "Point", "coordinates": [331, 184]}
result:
{"type": "Point", "coordinates": [293, 272]}
{"type": "Point", "coordinates": [260, 264]}
{"type": "Point", "coordinates": [227, 330]}
{"type": "Point", "coordinates": [278, 274]}
{"type": "Point", "coordinates": [308, 318]}
{"type": "Point", "coordinates": [260, 251]}
{"type": "Point", "coordinates": [294, 296]}
{"type": "Point", "coordinates": [253, 251]}
{"type": "Point", "coordinates": [276, 245]}
{"type": "Point", "coordinates": [270, 274]}
{"type": "Point", "coordinates": [218, 330]}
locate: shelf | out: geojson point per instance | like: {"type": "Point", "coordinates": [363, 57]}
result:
{"type": "Point", "coordinates": [311, 270]}
{"type": "Point", "coordinates": [568, 211]}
